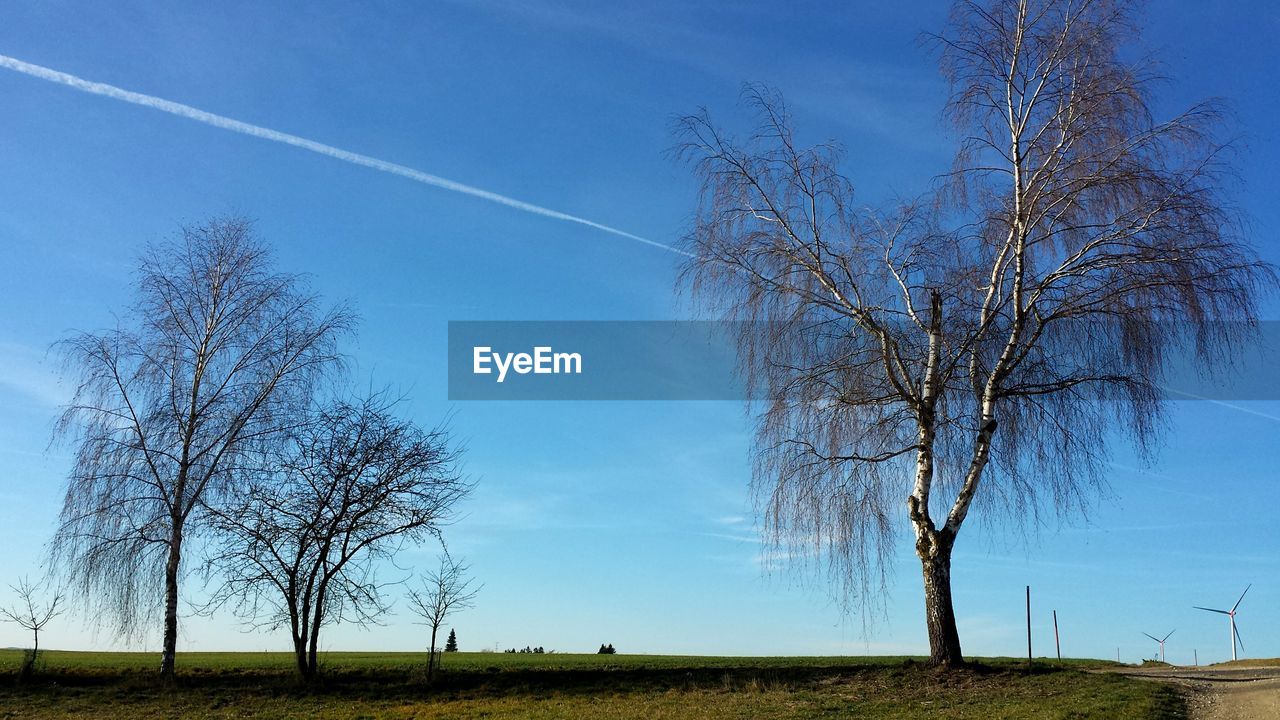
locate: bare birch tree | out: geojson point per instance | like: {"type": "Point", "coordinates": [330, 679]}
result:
{"type": "Point", "coordinates": [977, 352]}
{"type": "Point", "coordinates": [445, 590]}
{"type": "Point", "coordinates": [217, 344]}
{"type": "Point", "coordinates": [31, 610]}
{"type": "Point", "coordinates": [300, 544]}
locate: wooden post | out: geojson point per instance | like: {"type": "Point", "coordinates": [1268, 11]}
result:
{"type": "Point", "coordinates": [1197, 656]}
{"type": "Point", "coordinates": [1057, 644]}
{"type": "Point", "coordinates": [1028, 628]}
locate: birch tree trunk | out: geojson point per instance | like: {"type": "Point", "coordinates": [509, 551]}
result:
{"type": "Point", "coordinates": [171, 570]}
{"type": "Point", "coordinates": [1078, 246]}
{"type": "Point", "coordinates": [218, 347]}
{"type": "Point", "coordinates": [940, 615]}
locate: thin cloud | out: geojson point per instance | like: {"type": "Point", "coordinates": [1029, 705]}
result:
{"type": "Point", "coordinates": [730, 536]}
{"type": "Point", "coordinates": [1228, 405]}
{"type": "Point", "coordinates": [1164, 488]}
{"type": "Point", "coordinates": [26, 371]}
{"type": "Point", "coordinates": [244, 128]}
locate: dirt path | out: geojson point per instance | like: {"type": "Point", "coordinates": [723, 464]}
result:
{"type": "Point", "coordinates": [1224, 693]}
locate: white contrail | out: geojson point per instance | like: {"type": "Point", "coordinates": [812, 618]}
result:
{"type": "Point", "coordinates": [1232, 406]}
{"type": "Point", "coordinates": [226, 123]}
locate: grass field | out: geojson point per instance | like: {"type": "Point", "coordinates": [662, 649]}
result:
{"type": "Point", "coordinates": [500, 685]}
{"type": "Point", "coordinates": [1250, 663]}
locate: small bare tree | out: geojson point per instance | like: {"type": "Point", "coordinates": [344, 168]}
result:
{"type": "Point", "coordinates": [443, 591]}
{"type": "Point", "coordinates": [31, 610]}
{"type": "Point", "coordinates": [301, 543]}
{"type": "Point", "coordinates": [980, 346]}
{"type": "Point", "coordinates": [165, 409]}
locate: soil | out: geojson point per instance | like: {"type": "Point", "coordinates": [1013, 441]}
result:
{"type": "Point", "coordinates": [1223, 693]}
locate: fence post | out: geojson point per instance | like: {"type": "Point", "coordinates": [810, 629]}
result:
{"type": "Point", "coordinates": [1028, 628]}
{"type": "Point", "coordinates": [1057, 644]}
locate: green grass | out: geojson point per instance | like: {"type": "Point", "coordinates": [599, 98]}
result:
{"type": "Point", "coordinates": [501, 685]}
{"type": "Point", "coordinates": [1249, 663]}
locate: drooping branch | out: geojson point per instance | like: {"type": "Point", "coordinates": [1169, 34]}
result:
{"type": "Point", "coordinates": [216, 349]}
{"type": "Point", "coordinates": [977, 347]}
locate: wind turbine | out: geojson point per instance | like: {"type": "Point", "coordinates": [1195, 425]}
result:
{"type": "Point", "coordinates": [1161, 641]}
{"type": "Point", "coordinates": [1231, 616]}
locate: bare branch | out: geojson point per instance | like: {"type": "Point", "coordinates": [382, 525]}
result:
{"type": "Point", "coordinates": [299, 544]}
{"type": "Point", "coordinates": [444, 591]}
{"type": "Point", "coordinates": [975, 347]}
{"type": "Point", "coordinates": [219, 348]}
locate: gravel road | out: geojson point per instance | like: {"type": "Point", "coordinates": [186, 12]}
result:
{"type": "Point", "coordinates": [1233, 693]}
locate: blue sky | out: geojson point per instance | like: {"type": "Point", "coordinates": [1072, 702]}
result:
{"type": "Point", "coordinates": [593, 522]}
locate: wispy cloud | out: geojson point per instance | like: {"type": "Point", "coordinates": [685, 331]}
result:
{"type": "Point", "coordinates": [28, 372]}
{"type": "Point", "coordinates": [988, 633]}
{"type": "Point", "coordinates": [1224, 404]}
{"type": "Point", "coordinates": [1163, 487]}
{"type": "Point", "coordinates": [864, 95]}
{"type": "Point", "coordinates": [740, 538]}
{"type": "Point", "coordinates": [1151, 527]}
{"type": "Point", "coordinates": [425, 306]}
{"type": "Point", "coordinates": [226, 123]}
